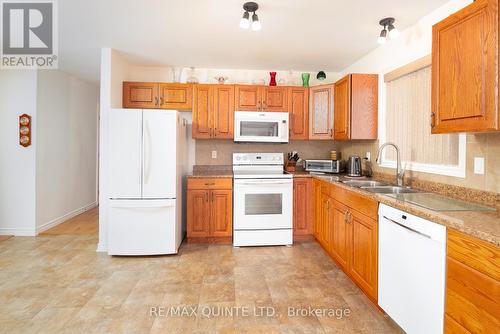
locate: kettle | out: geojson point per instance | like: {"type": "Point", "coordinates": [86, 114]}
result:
{"type": "Point", "coordinates": [354, 166]}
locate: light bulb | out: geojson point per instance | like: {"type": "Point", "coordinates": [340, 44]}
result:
{"type": "Point", "coordinates": [256, 23]}
{"type": "Point", "coordinates": [393, 33]}
{"type": "Point", "coordinates": [245, 22]}
{"type": "Point", "coordinates": [382, 37]}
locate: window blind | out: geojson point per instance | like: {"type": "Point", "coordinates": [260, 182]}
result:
{"type": "Point", "coordinates": [408, 122]}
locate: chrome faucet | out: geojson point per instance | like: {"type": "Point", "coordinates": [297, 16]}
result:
{"type": "Point", "coordinates": [399, 171]}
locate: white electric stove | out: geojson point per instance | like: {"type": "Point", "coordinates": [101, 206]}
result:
{"type": "Point", "coordinates": [263, 200]}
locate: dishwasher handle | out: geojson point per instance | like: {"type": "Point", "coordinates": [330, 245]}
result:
{"type": "Point", "coordinates": [408, 228]}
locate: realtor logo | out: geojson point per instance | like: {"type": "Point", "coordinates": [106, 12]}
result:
{"type": "Point", "coordinates": [29, 38]}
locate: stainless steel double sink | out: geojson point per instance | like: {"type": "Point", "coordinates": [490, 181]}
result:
{"type": "Point", "coordinates": [379, 187]}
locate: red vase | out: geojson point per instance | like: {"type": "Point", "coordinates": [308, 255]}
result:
{"type": "Point", "coordinates": [272, 82]}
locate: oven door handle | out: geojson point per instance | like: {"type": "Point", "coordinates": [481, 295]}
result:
{"type": "Point", "coordinates": [253, 183]}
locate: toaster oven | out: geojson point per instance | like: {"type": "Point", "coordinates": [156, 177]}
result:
{"type": "Point", "coordinates": [325, 166]}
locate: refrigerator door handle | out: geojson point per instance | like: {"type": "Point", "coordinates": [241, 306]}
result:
{"type": "Point", "coordinates": [147, 151]}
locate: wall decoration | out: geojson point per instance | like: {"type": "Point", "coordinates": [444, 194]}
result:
{"type": "Point", "coordinates": [25, 130]}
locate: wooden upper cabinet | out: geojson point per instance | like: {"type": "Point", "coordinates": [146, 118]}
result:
{"type": "Point", "coordinates": [465, 70]}
{"type": "Point", "coordinates": [321, 112]}
{"type": "Point", "coordinates": [247, 98]}
{"type": "Point", "coordinates": [364, 252]}
{"type": "Point", "coordinates": [176, 96]}
{"type": "Point", "coordinates": [356, 107]}
{"type": "Point", "coordinates": [302, 207]}
{"type": "Point", "coordinates": [274, 98]}
{"type": "Point", "coordinates": [223, 116]}
{"type": "Point", "coordinates": [298, 110]}
{"type": "Point", "coordinates": [153, 95]}
{"type": "Point", "coordinates": [141, 95]}
{"type": "Point", "coordinates": [342, 113]}
{"type": "Point", "coordinates": [213, 112]}
{"type": "Point", "coordinates": [261, 98]}
{"type": "Point", "coordinates": [202, 112]}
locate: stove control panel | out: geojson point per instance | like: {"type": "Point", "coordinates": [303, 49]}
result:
{"type": "Point", "coordinates": [258, 158]}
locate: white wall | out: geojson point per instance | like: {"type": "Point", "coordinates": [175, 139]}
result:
{"type": "Point", "coordinates": [17, 164]}
{"type": "Point", "coordinates": [66, 164]}
{"type": "Point", "coordinates": [234, 76]}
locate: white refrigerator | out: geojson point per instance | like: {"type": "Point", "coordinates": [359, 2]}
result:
{"type": "Point", "coordinates": [147, 166]}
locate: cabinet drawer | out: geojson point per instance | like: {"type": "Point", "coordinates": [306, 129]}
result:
{"type": "Point", "coordinates": [355, 201]}
{"type": "Point", "coordinates": [210, 183]}
{"type": "Point", "coordinates": [475, 253]}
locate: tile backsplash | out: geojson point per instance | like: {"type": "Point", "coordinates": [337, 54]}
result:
{"type": "Point", "coordinates": [225, 149]}
{"type": "Point", "coordinates": [486, 145]}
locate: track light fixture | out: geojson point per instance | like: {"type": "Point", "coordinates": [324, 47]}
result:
{"type": "Point", "coordinates": [388, 28]}
{"type": "Point", "coordinates": [250, 7]}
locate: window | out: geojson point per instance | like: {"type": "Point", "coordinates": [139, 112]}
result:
{"type": "Point", "coordinates": [407, 123]}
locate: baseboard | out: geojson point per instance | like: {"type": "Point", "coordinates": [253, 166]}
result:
{"type": "Point", "coordinates": [18, 232]}
{"type": "Point", "coordinates": [64, 218]}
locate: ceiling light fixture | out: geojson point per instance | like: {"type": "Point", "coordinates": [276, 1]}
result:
{"type": "Point", "coordinates": [388, 24]}
{"type": "Point", "coordinates": [250, 7]}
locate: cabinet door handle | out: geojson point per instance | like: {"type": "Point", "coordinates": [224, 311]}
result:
{"type": "Point", "coordinates": [156, 101]}
{"type": "Point", "coordinates": [212, 197]}
{"type": "Point", "coordinates": [258, 105]}
{"type": "Point", "coordinates": [264, 104]}
{"type": "Point", "coordinates": [206, 197]}
{"type": "Point", "coordinates": [161, 100]}
{"type": "Point", "coordinates": [433, 119]}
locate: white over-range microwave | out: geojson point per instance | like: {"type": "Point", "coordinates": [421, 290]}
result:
{"type": "Point", "coordinates": [264, 127]}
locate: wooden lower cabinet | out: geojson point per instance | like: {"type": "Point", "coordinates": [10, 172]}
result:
{"type": "Point", "coordinates": [210, 210]}
{"type": "Point", "coordinates": [345, 225]}
{"type": "Point", "coordinates": [317, 207]}
{"type": "Point", "coordinates": [364, 252]}
{"type": "Point", "coordinates": [472, 285]}
{"type": "Point", "coordinates": [302, 208]}
{"type": "Point", "coordinates": [339, 234]}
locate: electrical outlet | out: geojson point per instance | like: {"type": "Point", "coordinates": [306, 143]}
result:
{"type": "Point", "coordinates": [368, 156]}
{"type": "Point", "coordinates": [478, 165]}
{"type": "Point", "coordinates": [214, 154]}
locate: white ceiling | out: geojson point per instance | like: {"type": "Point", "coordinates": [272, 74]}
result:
{"type": "Point", "coordinates": [308, 35]}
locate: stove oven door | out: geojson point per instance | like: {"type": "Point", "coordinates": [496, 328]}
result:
{"type": "Point", "coordinates": [263, 204]}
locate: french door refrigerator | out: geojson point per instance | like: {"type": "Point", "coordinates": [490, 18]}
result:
{"type": "Point", "coordinates": [147, 163]}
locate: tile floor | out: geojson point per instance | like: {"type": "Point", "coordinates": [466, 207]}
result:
{"type": "Point", "coordinates": [57, 283]}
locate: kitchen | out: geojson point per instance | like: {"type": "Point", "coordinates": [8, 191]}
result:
{"type": "Point", "coordinates": [359, 200]}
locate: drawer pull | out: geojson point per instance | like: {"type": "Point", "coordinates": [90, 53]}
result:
{"type": "Point", "coordinates": [210, 184]}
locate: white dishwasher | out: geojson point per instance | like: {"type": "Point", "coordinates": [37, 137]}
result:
{"type": "Point", "coordinates": [411, 272]}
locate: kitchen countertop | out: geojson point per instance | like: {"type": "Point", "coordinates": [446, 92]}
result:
{"type": "Point", "coordinates": [216, 171]}
{"type": "Point", "coordinates": [484, 225]}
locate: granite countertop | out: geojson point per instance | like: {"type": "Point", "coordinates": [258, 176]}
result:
{"type": "Point", "coordinates": [217, 171]}
{"type": "Point", "coordinates": [484, 225]}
